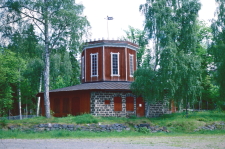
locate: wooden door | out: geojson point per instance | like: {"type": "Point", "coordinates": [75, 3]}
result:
{"type": "Point", "coordinates": [140, 107]}
{"type": "Point", "coordinates": [75, 106]}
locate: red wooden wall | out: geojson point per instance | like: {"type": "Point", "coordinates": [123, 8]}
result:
{"type": "Point", "coordinates": [64, 103]}
{"type": "Point", "coordinates": [104, 64]}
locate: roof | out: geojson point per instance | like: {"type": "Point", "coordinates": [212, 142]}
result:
{"type": "Point", "coordinates": [110, 43]}
{"type": "Point", "coordinates": [96, 86]}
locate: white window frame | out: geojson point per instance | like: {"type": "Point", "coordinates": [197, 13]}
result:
{"type": "Point", "coordinates": [96, 54]}
{"type": "Point", "coordinates": [82, 67]}
{"type": "Point", "coordinates": [118, 64]}
{"type": "Point", "coordinates": [131, 64]}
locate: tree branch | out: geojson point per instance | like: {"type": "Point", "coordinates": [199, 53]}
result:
{"type": "Point", "coordinates": [32, 10]}
{"type": "Point", "coordinates": [60, 32]}
{"type": "Point", "coordinates": [31, 17]}
{"type": "Point", "coordinates": [38, 26]}
{"type": "Point", "coordinates": [14, 21]}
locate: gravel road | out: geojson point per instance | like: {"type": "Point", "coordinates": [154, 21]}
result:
{"type": "Point", "coordinates": [109, 143]}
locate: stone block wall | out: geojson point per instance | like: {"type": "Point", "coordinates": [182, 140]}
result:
{"type": "Point", "coordinates": [157, 109]}
{"type": "Point", "coordinates": [99, 108]}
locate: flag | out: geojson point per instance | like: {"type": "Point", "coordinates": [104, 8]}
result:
{"type": "Point", "coordinates": [109, 18]}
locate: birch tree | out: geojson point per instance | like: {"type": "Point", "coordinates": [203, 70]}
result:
{"type": "Point", "coordinates": [58, 24]}
{"type": "Point", "coordinates": [171, 25]}
{"type": "Point", "coordinates": [218, 47]}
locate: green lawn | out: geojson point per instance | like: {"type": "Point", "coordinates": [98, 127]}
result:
{"type": "Point", "coordinates": [177, 124]}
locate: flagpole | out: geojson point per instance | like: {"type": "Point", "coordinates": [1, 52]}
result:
{"type": "Point", "coordinates": [107, 28]}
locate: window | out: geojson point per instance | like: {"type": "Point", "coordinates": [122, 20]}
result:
{"type": "Point", "coordinates": [114, 64]}
{"type": "Point", "coordinates": [107, 102]}
{"type": "Point", "coordinates": [94, 64]}
{"type": "Point", "coordinates": [129, 103]}
{"type": "Point", "coordinates": [82, 67]}
{"type": "Point", "coordinates": [117, 104]}
{"type": "Point", "coordinates": [131, 65]}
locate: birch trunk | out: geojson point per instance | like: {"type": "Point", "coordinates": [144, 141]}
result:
{"type": "Point", "coordinates": [47, 64]}
{"type": "Point", "coordinates": [19, 98]}
{"type": "Point", "coordinates": [147, 110]}
{"type": "Point", "coordinates": [39, 98]}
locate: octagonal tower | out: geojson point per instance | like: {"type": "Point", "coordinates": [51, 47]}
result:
{"type": "Point", "coordinates": [108, 60]}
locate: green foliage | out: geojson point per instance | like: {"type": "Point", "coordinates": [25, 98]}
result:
{"type": "Point", "coordinates": [60, 70]}
{"type": "Point", "coordinates": [9, 76]}
{"type": "Point", "coordinates": [143, 130]}
{"type": "Point", "coordinates": [176, 72]}
{"type": "Point", "coordinates": [3, 123]}
{"type": "Point", "coordinates": [60, 26]}
{"type": "Point", "coordinates": [218, 47]}
{"type": "Point", "coordinates": [139, 37]}
{"type": "Point", "coordinates": [146, 84]}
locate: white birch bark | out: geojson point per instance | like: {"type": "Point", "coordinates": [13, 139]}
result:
{"type": "Point", "coordinates": [39, 98]}
{"type": "Point", "coordinates": [19, 98]}
{"type": "Point", "coordinates": [47, 64]}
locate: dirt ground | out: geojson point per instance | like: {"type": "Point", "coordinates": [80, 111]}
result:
{"type": "Point", "coordinates": [199, 142]}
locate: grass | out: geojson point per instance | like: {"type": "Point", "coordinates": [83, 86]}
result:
{"type": "Point", "coordinates": [177, 123]}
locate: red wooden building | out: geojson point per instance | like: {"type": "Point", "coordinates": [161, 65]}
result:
{"type": "Point", "coordinates": [107, 68]}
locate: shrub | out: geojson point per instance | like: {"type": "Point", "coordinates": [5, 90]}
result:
{"type": "Point", "coordinates": [143, 130]}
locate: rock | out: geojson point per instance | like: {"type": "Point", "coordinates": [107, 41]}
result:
{"type": "Point", "coordinates": [49, 125]}
{"type": "Point", "coordinates": [117, 125]}
{"type": "Point", "coordinates": [152, 128]}
{"type": "Point", "coordinates": [47, 129]}
{"type": "Point", "coordinates": [70, 126]}
{"type": "Point", "coordinates": [164, 128]}
{"type": "Point", "coordinates": [55, 125]}
{"type": "Point", "coordinates": [64, 126]}
{"type": "Point", "coordinates": [128, 129]}
{"type": "Point", "coordinates": [102, 126]}
{"type": "Point", "coordinates": [41, 125]}
{"type": "Point", "coordinates": [144, 125]}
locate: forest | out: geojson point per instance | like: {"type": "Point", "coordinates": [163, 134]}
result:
{"type": "Point", "coordinates": [180, 57]}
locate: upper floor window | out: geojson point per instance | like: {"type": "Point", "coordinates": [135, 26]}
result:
{"type": "Point", "coordinates": [131, 59]}
{"type": "Point", "coordinates": [82, 67]}
{"type": "Point", "coordinates": [94, 64]}
{"type": "Point", "coordinates": [115, 64]}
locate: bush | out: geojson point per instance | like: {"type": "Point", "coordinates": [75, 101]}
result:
{"type": "Point", "coordinates": [3, 123]}
{"type": "Point", "coordinates": [143, 130]}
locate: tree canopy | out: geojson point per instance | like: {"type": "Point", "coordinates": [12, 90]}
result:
{"type": "Point", "coordinates": [171, 25]}
{"type": "Point", "coordinates": [59, 24]}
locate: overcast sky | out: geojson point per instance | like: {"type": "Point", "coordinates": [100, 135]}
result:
{"type": "Point", "coordinates": [125, 13]}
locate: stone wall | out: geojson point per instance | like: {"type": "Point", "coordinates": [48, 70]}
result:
{"type": "Point", "coordinates": [157, 109]}
{"type": "Point", "coordinates": [99, 108]}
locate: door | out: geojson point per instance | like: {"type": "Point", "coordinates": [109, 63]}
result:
{"type": "Point", "coordinates": [140, 107]}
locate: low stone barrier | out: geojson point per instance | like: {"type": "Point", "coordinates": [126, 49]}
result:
{"type": "Point", "coordinates": [214, 126]}
{"type": "Point", "coordinates": [72, 127]}
{"type": "Point", "coordinates": [151, 128]}
{"type": "Point", "coordinates": [87, 127]}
